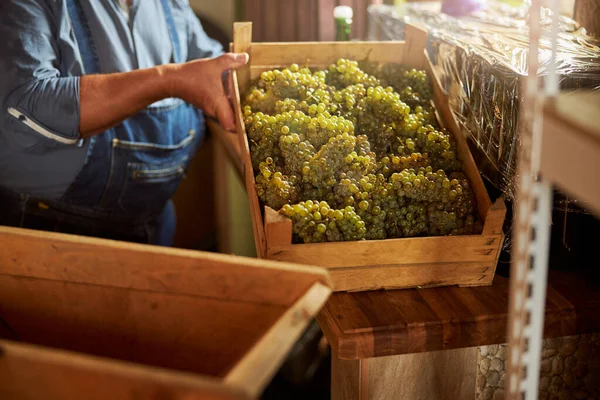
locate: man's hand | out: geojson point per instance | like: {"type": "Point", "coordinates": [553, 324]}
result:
{"type": "Point", "coordinates": [200, 83]}
{"type": "Point", "coordinates": [108, 99]}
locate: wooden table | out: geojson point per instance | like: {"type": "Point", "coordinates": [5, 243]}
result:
{"type": "Point", "coordinates": [412, 344]}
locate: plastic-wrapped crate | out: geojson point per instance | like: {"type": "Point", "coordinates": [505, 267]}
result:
{"type": "Point", "coordinates": [481, 62]}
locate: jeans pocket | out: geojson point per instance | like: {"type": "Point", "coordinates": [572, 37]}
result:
{"type": "Point", "coordinates": [147, 188]}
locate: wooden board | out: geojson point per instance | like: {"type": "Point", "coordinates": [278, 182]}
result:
{"type": "Point", "coordinates": [441, 375]}
{"type": "Point", "coordinates": [438, 249]}
{"type": "Point", "coordinates": [412, 275]}
{"type": "Point", "coordinates": [384, 323]}
{"type": "Point", "coordinates": [346, 379]}
{"type": "Point", "coordinates": [31, 372]}
{"type": "Point", "coordinates": [201, 313]}
{"type": "Point", "coordinates": [126, 324]}
{"type": "Point", "coordinates": [434, 375]}
{"type": "Point", "coordinates": [401, 263]}
{"type": "Point", "coordinates": [76, 259]}
{"type": "Point", "coordinates": [571, 132]}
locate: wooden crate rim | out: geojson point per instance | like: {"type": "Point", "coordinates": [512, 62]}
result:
{"type": "Point", "coordinates": [226, 259]}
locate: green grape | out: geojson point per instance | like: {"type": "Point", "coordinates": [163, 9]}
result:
{"type": "Point", "coordinates": [295, 152]}
{"type": "Point", "coordinates": [425, 185]}
{"type": "Point", "coordinates": [346, 72]}
{"type": "Point", "coordinates": [347, 101]}
{"type": "Point", "coordinates": [407, 221]}
{"type": "Point", "coordinates": [440, 222]}
{"type": "Point", "coordinates": [274, 188]}
{"type": "Point", "coordinates": [413, 85]}
{"type": "Point", "coordinates": [370, 67]}
{"type": "Point", "coordinates": [286, 83]}
{"type": "Point", "coordinates": [441, 146]}
{"type": "Point", "coordinates": [257, 99]}
{"type": "Point", "coordinates": [381, 114]}
{"type": "Point", "coordinates": [324, 165]}
{"type": "Point", "coordinates": [324, 127]}
{"type": "Point", "coordinates": [315, 221]}
{"type": "Point", "coordinates": [351, 225]}
{"type": "Point", "coordinates": [319, 101]}
{"type": "Point", "coordinates": [348, 156]}
{"type": "Point", "coordinates": [287, 105]}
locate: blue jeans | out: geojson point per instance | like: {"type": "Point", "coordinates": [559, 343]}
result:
{"type": "Point", "coordinates": [22, 211]}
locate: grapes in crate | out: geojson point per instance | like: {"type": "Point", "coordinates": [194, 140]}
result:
{"type": "Point", "coordinates": [351, 154]}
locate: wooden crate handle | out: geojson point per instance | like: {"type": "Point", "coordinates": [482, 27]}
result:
{"type": "Point", "coordinates": [278, 228]}
{"type": "Point", "coordinates": [415, 38]}
{"type": "Point", "coordinates": [240, 82]}
{"type": "Point", "coordinates": [254, 371]}
{"type": "Point", "coordinates": [494, 219]}
{"type": "Point", "coordinates": [242, 43]}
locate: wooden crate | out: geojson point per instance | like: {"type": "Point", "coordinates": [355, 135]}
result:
{"type": "Point", "coordinates": [374, 264]}
{"type": "Point", "coordinates": [84, 318]}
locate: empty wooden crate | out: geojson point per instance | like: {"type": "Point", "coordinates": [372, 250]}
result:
{"type": "Point", "coordinates": [372, 264]}
{"type": "Point", "coordinates": [97, 319]}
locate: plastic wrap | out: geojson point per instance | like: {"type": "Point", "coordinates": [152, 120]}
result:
{"type": "Point", "coordinates": [481, 61]}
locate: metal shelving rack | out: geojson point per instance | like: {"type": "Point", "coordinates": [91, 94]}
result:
{"type": "Point", "coordinates": [555, 127]}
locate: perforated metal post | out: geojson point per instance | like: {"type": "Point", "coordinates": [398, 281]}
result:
{"type": "Point", "coordinates": [529, 266]}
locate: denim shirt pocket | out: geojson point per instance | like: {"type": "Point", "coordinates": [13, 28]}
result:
{"type": "Point", "coordinates": [38, 139]}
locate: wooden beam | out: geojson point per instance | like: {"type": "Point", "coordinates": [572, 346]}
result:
{"type": "Point", "coordinates": [31, 372]}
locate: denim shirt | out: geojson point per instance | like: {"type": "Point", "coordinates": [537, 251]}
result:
{"type": "Point", "coordinates": [40, 153]}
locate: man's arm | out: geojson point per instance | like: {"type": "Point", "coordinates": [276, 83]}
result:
{"type": "Point", "coordinates": [36, 104]}
{"type": "Point", "coordinates": [37, 101]}
{"type": "Point", "coordinates": [108, 99]}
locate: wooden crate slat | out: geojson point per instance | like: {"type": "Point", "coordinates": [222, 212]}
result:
{"type": "Point", "coordinates": [494, 219]}
{"type": "Point", "coordinates": [67, 258]}
{"type": "Point", "coordinates": [437, 249]}
{"type": "Point", "coordinates": [416, 42]}
{"type": "Point", "coordinates": [413, 275]}
{"type": "Point", "coordinates": [323, 53]}
{"type": "Point", "coordinates": [33, 372]}
{"type": "Point", "coordinates": [159, 329]}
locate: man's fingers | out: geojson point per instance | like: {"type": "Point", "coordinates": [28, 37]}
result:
{"type": "Point", "coordinates": [224, 113]}
{"type": "Point", "coordinates": [233, 60]}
